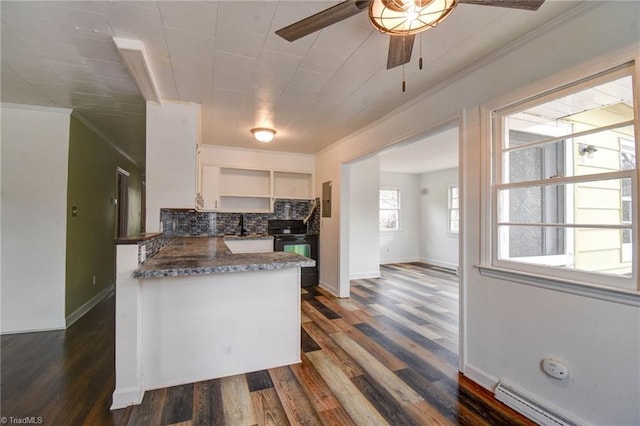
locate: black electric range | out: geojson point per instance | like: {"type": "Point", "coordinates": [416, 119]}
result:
{"type": "Point", "coordinates": [292, 236]}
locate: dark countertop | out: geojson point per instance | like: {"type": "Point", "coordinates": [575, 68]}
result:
{"type": "Point", "coordinates": [186, 256]}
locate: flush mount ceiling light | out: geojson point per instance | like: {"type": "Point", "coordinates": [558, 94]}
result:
{"type": "Point", "coordinates": [408, 17]}
{"type": "Point", "coordinates": [263, 134]}
{"type": "Point", "coordinates": [135, 58]}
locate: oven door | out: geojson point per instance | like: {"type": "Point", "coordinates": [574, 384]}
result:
{"type": "Point", "coordinates": [293, 244]}
{"type": "Point", "coordinates": [304, 245]}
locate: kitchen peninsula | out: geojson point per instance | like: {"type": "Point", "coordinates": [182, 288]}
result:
{"type": "Point", "coordinates": [196, 311]}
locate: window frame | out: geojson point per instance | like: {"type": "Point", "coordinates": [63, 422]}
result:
{"type": "Point", "coordinates": [491, 264]}
{"type": "Point", "coordinates": [450, 188]}
{"type": "Point", "coordinates": [398, 209]}
{"type": "Point", "coordinates": [626, 254]}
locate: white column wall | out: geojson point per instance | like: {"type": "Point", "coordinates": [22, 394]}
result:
{"type": "Point", "coordinates": [509, 327]}
{"type": "Point", "coordinates": [437, 245]}
{"type": "Point", "coordinates": [172, 135]}
{"type": "Point", "coordinates": [364, 259]}
{"type": "Point", "coordinates": [35, 155]}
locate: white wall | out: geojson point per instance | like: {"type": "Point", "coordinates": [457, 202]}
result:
{"type": "Point", "coordinates": [172, 135]}
{"type": "Point", "coordinates": [437, 245]}
{"type": "Point", "coordinates": [364, 259]}
{"type": "Point", "coordinates": [253, 158]}
{"type": "Point", "coordinates": [35, 152]}
{"type": "Point", "coordinates": [402, 245]}
{"type": "Point", "coordinates": [509, 327]}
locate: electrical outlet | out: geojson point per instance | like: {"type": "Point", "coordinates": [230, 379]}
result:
{"type": "Point", "coordinates": [94, 280]}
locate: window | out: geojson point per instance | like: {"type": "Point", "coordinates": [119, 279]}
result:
{"type": "Point", "coordinates": [627, 161]}
{"type": "Point", "coordinates": [389, 209]}
{"type": "Point", "coordinates": [565, 183]}
{"type": "Point", "coordinates": [454, 209]}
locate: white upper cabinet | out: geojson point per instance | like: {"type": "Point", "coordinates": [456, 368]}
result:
{"type": "Point", "coordinates": [209, 192]}
{"type": "Point", "coordinates": [233, 180]}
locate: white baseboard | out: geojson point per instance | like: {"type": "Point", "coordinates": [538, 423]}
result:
{"type": "Point", "coordinates": [399, 260]}
{"type": "Point", "coordinates": [16, 327]}
{"type": "Point", "coordinates": [441, 264]}
{"type": "Point", "coordinates": [485, 380]}
{"type": "Point", "coordinates": [86, 307]}
{"type": "Point", "coordinates": [329, 288]}
{"type": "Point", "coordinates": [125, 397]}
{"type": "Point", "coordinates": [365, 275]}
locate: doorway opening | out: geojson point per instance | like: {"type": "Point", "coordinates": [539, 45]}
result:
{"type": "Point", "coordinates": [122, 203]}
{"type": "Point", "coordinates": [401, 215]}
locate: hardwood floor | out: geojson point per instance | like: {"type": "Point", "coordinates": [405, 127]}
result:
{"type": "Point", "coordinates": [387, 355]}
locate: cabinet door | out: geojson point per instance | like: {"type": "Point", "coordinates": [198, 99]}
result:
{"type": "Point", "coordinates": [211, 187]}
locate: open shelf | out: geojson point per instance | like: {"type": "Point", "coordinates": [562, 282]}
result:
{"type": "Point", "coordinates": [246, 204]}
{"type": "Point", "coordinates": [247, 190]}
{"type": "Point", "coordinates": [245, 182]}
{"type": "Point", "coordinates": [292, 185]}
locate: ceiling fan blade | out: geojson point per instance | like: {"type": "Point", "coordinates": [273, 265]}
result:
{"type": "Point", "coordinates": [322, 19]}
{"type": "Point", "coordinates": [400, 48]}
{"type": "Point", "coordinates": [513, 4]}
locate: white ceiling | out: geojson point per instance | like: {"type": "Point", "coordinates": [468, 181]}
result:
{"type": "Point", "coordinates": [225, 56]}
{"type": "Point", "coordinates": [438, 151]}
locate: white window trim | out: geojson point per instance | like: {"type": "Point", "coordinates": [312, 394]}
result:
{"type": "Point", "coordinates": [451, 233]}
{"type": "Point", "coordinates": [577, 282]}
{"type": "Point", "coordinates": [399, 209]}
{"type": "Point", "coordinates": [626, 254]}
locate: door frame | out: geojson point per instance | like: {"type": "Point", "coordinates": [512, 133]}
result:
{"type": "Point", "coordinates": [121, 205]}
{"type": "Point", "coordinates": [343, 264]}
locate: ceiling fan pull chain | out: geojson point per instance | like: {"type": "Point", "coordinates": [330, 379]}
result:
{"type": "Point", "coordinates": [404, 83]}
{"type": "Point", "coordinates": [420, 61]}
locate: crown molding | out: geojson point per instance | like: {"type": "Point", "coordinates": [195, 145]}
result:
{"type": "Point", "coordinates": [36, 108]}
{"type": "Point", "coordinates": [244, 149]}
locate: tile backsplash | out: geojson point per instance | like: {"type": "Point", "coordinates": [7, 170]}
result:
{"type": "Point", "coordinates": [185, 222]}
{"type": "Point", "coordinates": [152, 246]}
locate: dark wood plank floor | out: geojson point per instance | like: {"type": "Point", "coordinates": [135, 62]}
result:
{"type": "Point", "coordinates": [388, 355]}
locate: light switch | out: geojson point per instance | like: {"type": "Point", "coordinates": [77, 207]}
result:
{"type": "Point", "coordinates": [74, 211]}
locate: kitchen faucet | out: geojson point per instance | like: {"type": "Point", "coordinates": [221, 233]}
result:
{"type": "Point", "coordinates": [243, 231]}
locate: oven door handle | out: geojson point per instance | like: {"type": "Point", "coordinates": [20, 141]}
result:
{"type": "Point", "coordinates": [290, 238]}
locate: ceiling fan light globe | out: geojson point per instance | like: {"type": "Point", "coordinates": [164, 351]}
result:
{"type": "Point", "coordinates": [396, 5]}
{"type": "Point", "coordinates": [397, 17]}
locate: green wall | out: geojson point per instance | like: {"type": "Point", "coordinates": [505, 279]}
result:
{"type": "Point", "coordinates": [90, 234]}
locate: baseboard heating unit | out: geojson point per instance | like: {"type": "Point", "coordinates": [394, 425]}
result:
{"type": "Point", "coordinates": [530, 408]}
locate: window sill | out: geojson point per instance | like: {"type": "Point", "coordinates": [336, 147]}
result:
{"type": "Point", "coordinates": [452, 234]}
{"type": "Point", "coordinates": [610, 294]}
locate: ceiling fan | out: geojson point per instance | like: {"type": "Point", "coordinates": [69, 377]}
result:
{"type": "Point", "coordinates": [401, 19]}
